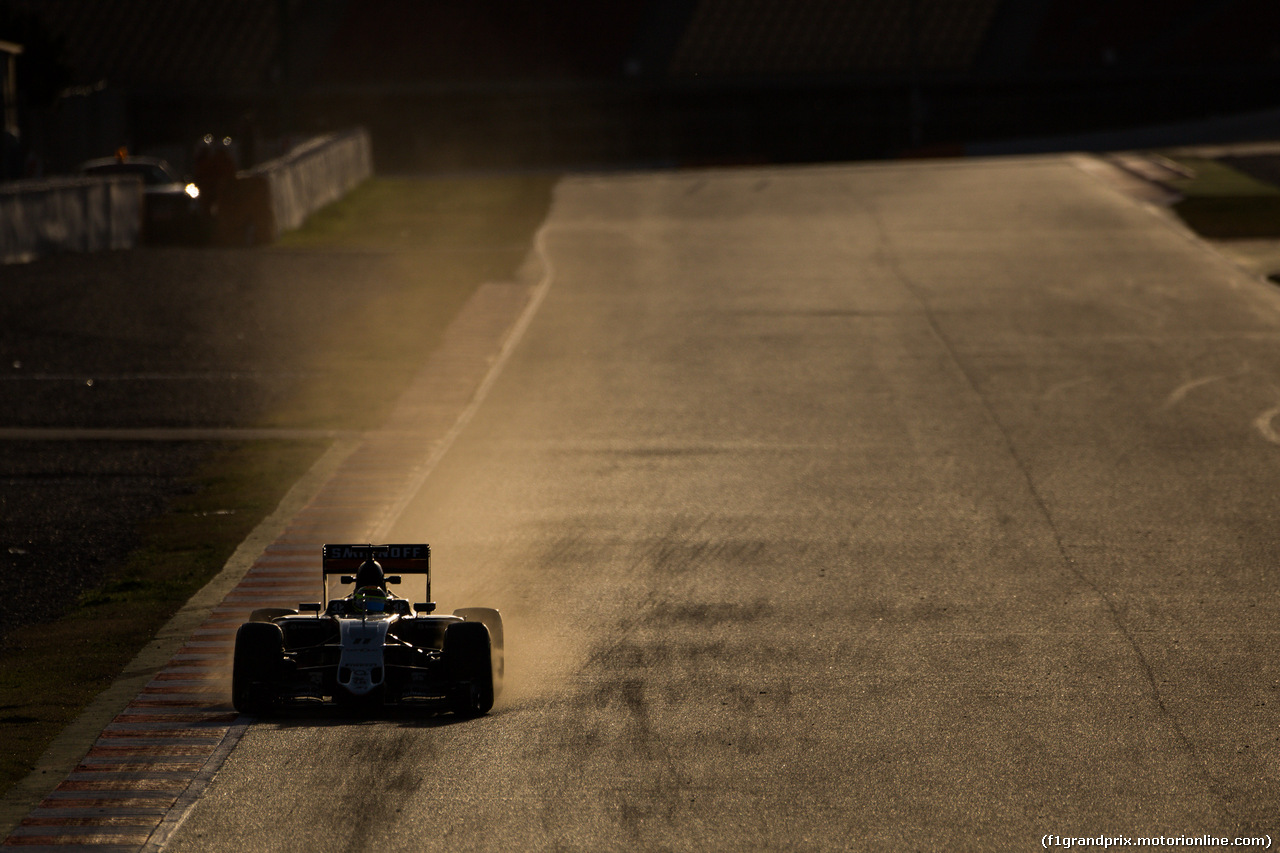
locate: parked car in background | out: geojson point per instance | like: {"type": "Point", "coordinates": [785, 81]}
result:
{"type": "Point", "coordinates": [171, 210]}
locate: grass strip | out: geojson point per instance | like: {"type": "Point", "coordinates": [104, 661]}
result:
{"type": "Point", "coordinates": [1223, 203]}
{"type": "Point", "coordinates": [50, 671]}
{"type": "Point", "coordinates": [439, 238]}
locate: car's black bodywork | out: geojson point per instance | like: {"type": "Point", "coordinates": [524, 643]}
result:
{"type": "Point", "coordinates": [344, 653]}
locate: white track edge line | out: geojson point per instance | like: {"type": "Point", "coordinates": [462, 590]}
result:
{"type": "Point", "coordinates": [513, 338]}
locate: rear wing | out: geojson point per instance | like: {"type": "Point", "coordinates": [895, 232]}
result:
{"type": "Point", "coordinates": [401, 559]}
{"type": "Point", "coordinates": [395, 560]}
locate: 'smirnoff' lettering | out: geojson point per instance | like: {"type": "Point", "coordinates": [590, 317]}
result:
{"type": "Point", "coordinates": [408, 552]}
{"type": "Point", "coordinates": [394, 552]}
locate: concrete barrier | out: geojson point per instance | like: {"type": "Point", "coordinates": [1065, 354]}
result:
{"type": "Point", "coordinates": [279, 195]}
{"type": "Point", "coordinates": [91, 214]}
{"type": "Point", "coordinates": [38, 218]}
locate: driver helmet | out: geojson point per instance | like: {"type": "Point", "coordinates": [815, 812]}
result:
{"type": "Point", "coordinates": [370, 575]}
{"type": "Point", "coordinates": [370, 599]}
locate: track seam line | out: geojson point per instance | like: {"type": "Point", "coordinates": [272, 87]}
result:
{"type": "Point", "coordinates": [1107, 600]}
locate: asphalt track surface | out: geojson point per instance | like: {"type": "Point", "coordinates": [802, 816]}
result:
{"type": "Point", "coordinates": [876, 507]}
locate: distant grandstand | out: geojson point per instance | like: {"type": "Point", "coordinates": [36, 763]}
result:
{"type": "Point", "coordinates": [513, 83]}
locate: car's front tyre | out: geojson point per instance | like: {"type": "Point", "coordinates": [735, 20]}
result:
{"type": "Point", "coordinates": [255, 671]}
{"type": "Point", "coordinates": [469, 665]}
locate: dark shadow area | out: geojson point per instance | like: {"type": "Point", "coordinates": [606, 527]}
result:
{"type": "Point", "coordinates": [328, 715]}
{"type": "Point", "coordinates": [502, 84]}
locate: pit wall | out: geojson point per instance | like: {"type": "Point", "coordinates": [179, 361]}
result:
{"type": "Point", "coordinates": [38, 218]}
{"type": "Point", "coordinates": [279, 195]}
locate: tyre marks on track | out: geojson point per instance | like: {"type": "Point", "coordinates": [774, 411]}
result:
{"type": "Point", "coordinates": [131, 790]}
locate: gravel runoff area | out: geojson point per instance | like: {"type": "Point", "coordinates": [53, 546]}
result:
{"type": "Point", "coordinates": [70, 510]}
{"type": "Point", "coordinates": [151, 339]}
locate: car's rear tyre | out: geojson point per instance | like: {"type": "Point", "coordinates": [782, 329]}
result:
{"type": "Point", "coordinates": [492, 620]}
{"type": "Point", "coordinates": [255, 671]}
{"type": "Point", "coordinates": [469, 664]}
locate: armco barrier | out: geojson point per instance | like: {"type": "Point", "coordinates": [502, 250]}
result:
{"type": "Point", "coordinates": [280, 194]}
{"type": "Point", "coordinates": [68, 215]}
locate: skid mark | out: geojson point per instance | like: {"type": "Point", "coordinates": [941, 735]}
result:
{"type": "Point", "coordinates": [1265, 424]}
{"type": "Point", "coordinates": [1180, 393]}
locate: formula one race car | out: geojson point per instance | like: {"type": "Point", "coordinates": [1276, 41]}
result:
{"type": "Point", "coordinates": [369, 648]}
